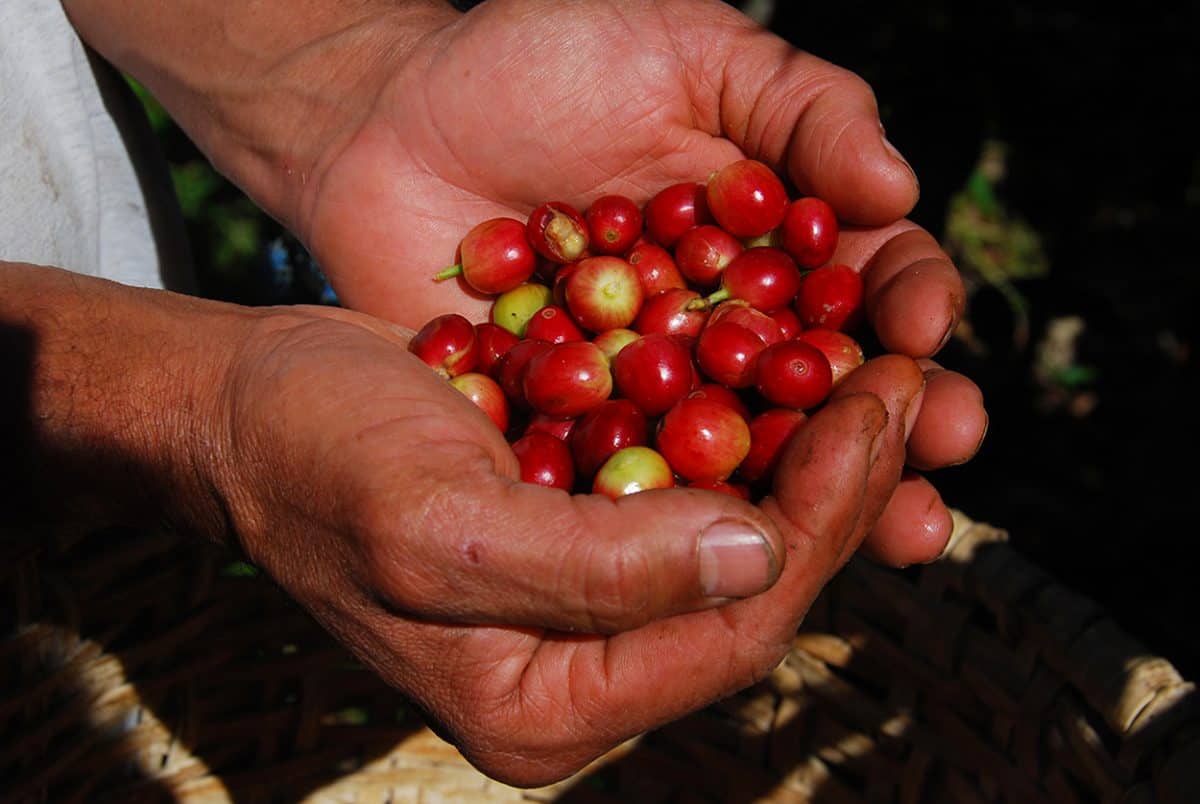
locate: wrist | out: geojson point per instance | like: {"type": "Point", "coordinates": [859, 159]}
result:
{"type": "Point", "coordinates": [263, 88]}
{"type": "Point", "coordinates": [113, 400]}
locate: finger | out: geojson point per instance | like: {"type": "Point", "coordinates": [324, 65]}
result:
{"type": "Point", "coordinates": [914, 528]}
{"type": "Point", "coordinates": [899, 382]}
{"type": "Point", "coordinates": [952, 423]}
{"type": "Point", "coordinates": [810, 119]}
{"type": "Point", "coordinates": [825, 518]}
{"type": "Point", "coordinates": [819, 503]}
{"type": "Point", "coordinates": [478, 547]}
{"type": "Point", "coordinates": [913, 294]}
{"type": "Point", "coordinates": [640, 679]}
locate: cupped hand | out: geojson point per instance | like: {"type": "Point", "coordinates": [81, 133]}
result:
{"type": "Point", "coordinates": [524, 101]}
{"type": "Point", "coordinates": [536, 628]}
{"type": "Point", "coordinates": [531, 625]}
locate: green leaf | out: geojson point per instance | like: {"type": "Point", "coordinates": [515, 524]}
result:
{"type": "Point", "coordinates": [350, 716]}
{"type": "Point", "coordinates": [160, 121]}
{"type": "Point", "coordinates": [239, 569]}
{"type": "Point", "coordinates": [195, 183]}
{"type": "Point", "coordinates": [1076, 376]}
{"type": "Point", "coordinates": [982, 193]}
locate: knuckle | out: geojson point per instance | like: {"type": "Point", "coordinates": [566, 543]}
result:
{"type": "Point", "coordinates": [418, 545]}
{"type": "Point", "coordinates": [388, 534]}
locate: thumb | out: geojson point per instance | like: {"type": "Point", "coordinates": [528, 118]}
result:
{"type": "Point", "coordinates": [809, 119]}
{"type": "Point", "coordinates": [498, 551]}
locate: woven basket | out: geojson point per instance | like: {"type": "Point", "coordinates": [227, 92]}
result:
{"type": "Point", "coordinates": [137, 668]}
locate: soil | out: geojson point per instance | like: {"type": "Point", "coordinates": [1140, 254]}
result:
{"type": "Point", "coordinates": [1104, 168]}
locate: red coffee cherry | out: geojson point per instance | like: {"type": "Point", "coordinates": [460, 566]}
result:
{"type": "Point", "coordinates": [746, 198]}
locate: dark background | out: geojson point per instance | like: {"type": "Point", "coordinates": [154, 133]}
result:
{"type": "Point", "coordinates": [1090, 470]}
{"type": "Point", "coordinates": [1094, 480]}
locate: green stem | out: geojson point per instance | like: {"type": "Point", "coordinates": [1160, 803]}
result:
{"type": "Point", "coordinates": [716, 297]}
{"type": "Point", "coordinates": [447, 273]}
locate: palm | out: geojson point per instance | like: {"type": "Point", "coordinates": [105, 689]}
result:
{"type": "Point", "coordinates": [471, 135]}
{"type": "Point", "coordinates": [395, 434]}
{"type": "Point", "coordinates": [524, 101]}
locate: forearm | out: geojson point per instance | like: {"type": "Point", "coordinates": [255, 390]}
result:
{"type": "Point", "coordinates": [262, 86]}
{"type": "Point", "coordinates": [109, 398]}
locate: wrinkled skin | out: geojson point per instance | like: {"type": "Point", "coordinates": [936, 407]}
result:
{"type": "Point", "coordinates": [519, 102]}
{"type": "Point", "coordinates": [537, 629]}
{"type": "Point", "coordinates": [525, 101]}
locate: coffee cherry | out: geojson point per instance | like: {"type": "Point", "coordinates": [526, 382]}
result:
{"type": "Point", "coordinates": [487, 395]}
{"type": "Point", "coordinates": [556, 426]}
{"type": "Point", "coordinates": [766, 278]}
{"type": "Point", "coordinates": [726, 352]}
{"type": "Point", "coordinates": [690, 317]}
{"type": "Point", "coordinates": [604, 293]}
{"type": "Point", "coordinates": [554, 324]}
{"type": "Point", "coordinates": [558, 286]}
{"type": "Point", "coordinates": [557, 232]}
{"type": "Point", "coordinates": [669, 312]}
{"type": "Point", "coordinates": [655, 267]}
{"type": "Point", "coordinates": [568, 379]}
{"type": "Point", "coordinates": [510, 369]}
{"type": "Point", "coordinates": [655, 372]}
{"type": "Point", "coordinates": [513, 308]}
{"type": "Point", "coordinates": [544, 460]}
{"type": "Point", "coordinates": [830, 297]}
{"type": "Point", "coordinates": [605, 429]}
{"type": "Point", "coordinates": [674, 210]}
{"type": "Point", "coordinates": [746, 198]}
{"type": "Point", "coordinates": [703, 440]}
{"type": "Point", "coordinates": [769, 433]}
{"type": "Point", "coordinates": [612, 341]}
{"type": "Point", "coordinates": [495, 256]}
{"type": "Point", "coordinates": [787, 321]}
{"type": "Point", "coordinates": [843, 352]}
{"type": "Point", "coordinates": [614, 223]}
{"type": "Point", "coordinates": [723, 394]}
{"type": "Point", "coordinates": [631, 470]}
{"type": "Point", "coordinates": [447, 344]}
{"type": "Point", "coordinates": [809, 232]}
{"type": "Point", "coordinates": [793, 374]}
{"type": "Point", "coordinates": [494, 341]}
{"type": "Point", "coordinates": [736, 311]}
{"type": "Point", "coordinates": [702, 253]}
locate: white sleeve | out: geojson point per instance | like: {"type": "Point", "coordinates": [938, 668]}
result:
{"type": "Point", "coordinates": [82, 184]}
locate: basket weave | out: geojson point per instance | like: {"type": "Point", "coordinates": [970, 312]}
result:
{"type": "Point", "coordinates": [134, 669]}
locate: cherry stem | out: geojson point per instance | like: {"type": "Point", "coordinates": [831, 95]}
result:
{"type": "Point", "coordinates": [717, 296]}
{"type": "Point", "coordinates": [447, 273]}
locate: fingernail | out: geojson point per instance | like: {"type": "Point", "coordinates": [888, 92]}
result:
{"type": "Point", "coordinates": [877, 429]}
{"type": "Point", "coordinates": [912, 411]}
{"type": "Point", "coordinates": [876, 447]}
{"type": "Point", "coordinates": [736, 560]}
{"type": "Point", "coordinates": [946, 336]}
{"type": "Point", "coordinates": [987, 422]}
{"type": "Point", "coordinates": [950, 541]}
{"type": "Point", "coordinates": [899, 157]}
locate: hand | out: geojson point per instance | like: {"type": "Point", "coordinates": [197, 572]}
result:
{"type": "Point", "coordinates": [405, 547]}
{"type": "Point", "coordinates": [380, 131]}
{"type": "Point", "coordinates": [523, 101]}
{"type": "Point", "coordinates": [388, 505]}
{"type": "Point", "coordinates": [531, 625]}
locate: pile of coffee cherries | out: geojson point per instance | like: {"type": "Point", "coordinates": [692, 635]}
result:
{"type": "Point", "coordinates": [677, 343]}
